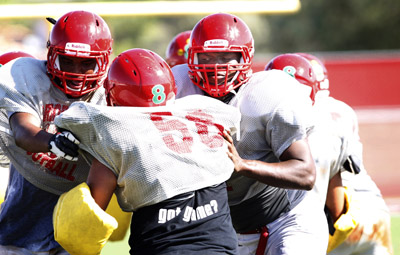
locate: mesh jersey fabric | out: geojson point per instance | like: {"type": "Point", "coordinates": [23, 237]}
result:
{"type": "Point", "coordinates": [329, 148]}
{"type": "Point", "coordinates": [25, 87]}
{"type": "Point", "coordinates": [156, 152]}
{"type": "Point", "coordinates": [372, 210]}
{"type": "Point", "coordinates": [276, 112]}
{"type": "Point", "coordinates": [346, 118]}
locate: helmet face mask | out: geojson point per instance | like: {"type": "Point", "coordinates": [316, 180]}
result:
{"type": "Point", "coordinates": [88, 81]}
{"type": "Point", "coordinates": [82, 35]}
{"type": "Point", "coordinates": [140, 78]}
{"type": "Point", "coordinates": [216, 76]}
{"type": "Point", "coordinates": [220, 33]}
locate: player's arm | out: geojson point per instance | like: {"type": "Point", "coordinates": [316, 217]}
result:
{"type": "Point", "coordinates": [81, 224]}
{"type": "Point", "coordinates": [28, 134]}
{"type": "Point", "coordinates": [335, 199]}
{"type": "Point", "coordinates": [345, 224]}
{"type": "Point", "coordinates": [295, 171]}
{"type": "Point", "coordinates": [31, 137]}
{"type": "Point", "coordinates": [102, 182]}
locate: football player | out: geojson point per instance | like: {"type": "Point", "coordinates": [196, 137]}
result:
{"type": "Point", "coordinates": [45, 163]}
{"type": "Point", "coordinates": [328, 143]}
{"type": "Point", "coordinates": [176, 52]}
{"type": "Point", "coordinates": [328, 163]}
{"type": "Point", "coordinates": [165, 159]}
{"type": "Point", "coordinates": [268, 194]}
{"type": "Point", "coordinates": [372, 234]}
{"type": "Point", "coordinates": [4, 162]}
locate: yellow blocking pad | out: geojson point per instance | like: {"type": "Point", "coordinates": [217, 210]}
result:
{"type": "Point", "coordinates": [345, 224]}
{"type": "Point", "coordinates": [123, 219]}
{"type": "Point", "coordinates": [80, 225]}
{"type": "Point", "coordinates": [4, 175]}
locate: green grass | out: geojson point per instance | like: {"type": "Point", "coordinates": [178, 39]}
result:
{"type": "Point", "coordinates": [119, 247]}
{"type": "Point", "coordinates": [122, 247]}
{"type": "Point", "coordinates": [396, 234]}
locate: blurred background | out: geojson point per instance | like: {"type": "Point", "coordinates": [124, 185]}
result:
{"type": "Point", "coordinates": [311, 26]}
{"type": "Point", "coordinates": [359, 40]}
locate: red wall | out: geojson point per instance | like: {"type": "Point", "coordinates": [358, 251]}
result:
{"type": "Point", "coordinates": [365, 82]}
{"type": "Point", "coordinates": [362, 82]}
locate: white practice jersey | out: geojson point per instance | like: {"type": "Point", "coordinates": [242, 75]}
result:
{"type": "Point", "coordinates": [276, 112]}
{"type": "Point", "coordinates": [25, 87]}
{"type": "Point", "coordinates": [329, 147]}
{"type": "Point", "coordinates": [156, 152]}
{"type": "Point", "coordinates": [346, 119]}
{"type": "Point", "coordinates": [372, 235]}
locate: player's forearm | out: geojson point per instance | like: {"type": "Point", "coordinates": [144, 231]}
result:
{"type": "Point", "coordinates": [291, 174]}
{"type": "Point", "coordinates": [335, 199]}
{"type": "Point", "coordinates": [101, 196]}
{"type": "Point", "coordinates": [102, 182]}
{"type": "Point", "coordinates": [27, 133]}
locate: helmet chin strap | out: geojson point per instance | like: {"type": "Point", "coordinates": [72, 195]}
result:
{"type": "Point", "coordinates": [227, 98]}
{"type": "Point", "coordinates": [57, 63]}
{"type": "Point", "coordinates": [234, 78]}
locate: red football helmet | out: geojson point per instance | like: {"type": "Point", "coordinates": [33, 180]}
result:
{"type": "Point", "coordinates": [139, 77]}
{"type": "Point", "coordinates": [220, 32]}
{"type": "Point", "coordinates": [8, 56]}
{"type": "Point", "coordinates": [297, 67]}
{"type": "Point", "coordinates": [321, 73]}
{"type": "Point", "coordinates": [79, 34]}
{"type": "Point", "coordinates": [176, 53]}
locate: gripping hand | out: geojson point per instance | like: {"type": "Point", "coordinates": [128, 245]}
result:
{"type": "Point", "coordinates": [64, 145]}
{"type": "Point", "coordinates": [345, 225]}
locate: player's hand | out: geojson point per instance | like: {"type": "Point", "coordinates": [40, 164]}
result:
{"type": "Point", "coordinates": [64, 145]}
{"type": "Point", "coordinates": [346, 223]}
{"type": "Point", "coordinates": [232, 152]}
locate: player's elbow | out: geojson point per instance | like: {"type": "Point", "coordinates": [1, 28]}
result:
{"type": "Point", "coordinates": [309, 179]}
{"type": "Point", "coordinates": [309, 183]}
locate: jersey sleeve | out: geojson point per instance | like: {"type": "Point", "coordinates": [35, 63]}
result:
{"type": "Point", "coordinates": [183, 83]}
{"type": "Point", "coordinates": [292, 116]}
{"type": "Point", "coordinates": [285, 127]}
{"type": "Point", "coordinates": [15, 94]}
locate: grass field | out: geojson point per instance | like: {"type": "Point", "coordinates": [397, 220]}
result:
{"type": "Point", "coordinates": [396, 234]}
{"type": "Point", "coordinates": [122, 247]}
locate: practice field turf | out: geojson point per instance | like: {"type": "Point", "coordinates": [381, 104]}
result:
{"type": "Point", "coordinates": [396, 234]}
{"type": "Point", "coordinates": [122, 247]}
